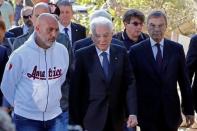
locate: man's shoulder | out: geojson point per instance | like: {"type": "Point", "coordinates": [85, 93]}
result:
{"type": "Point", "coordinates": [172, 43]}
{"type": "Point", "coordinates": [78, 26]}
{"type": "Point", "coordinates": [118, 35]}
{"type": "Point", "coordinates": [85, 50]}
{"type": "Point", "coordinates": [118, 48]}
{"type": "Point", "coordinates": [16, 28]}
{"type": "Point", "coordinates": [21, 38]}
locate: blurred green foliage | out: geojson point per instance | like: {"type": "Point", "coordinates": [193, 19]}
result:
{"type": "Point", "coordinates": [178, 11]}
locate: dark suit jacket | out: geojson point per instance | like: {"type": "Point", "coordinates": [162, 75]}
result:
{"type": "Point", "coordinates": [3, 61]}
{"type": "Point", "coordinates": [158, 91]}
{"type": "Point", "coordinates": [78, 32]}
{"type": "Point", "coordinates": [92, 97]}
{"type": "Point", "coordinates": [192, 67]}
{"type": "Point", "coordinates": [17, 31]}
{"type": "Point", "coordinates": [88, 41]}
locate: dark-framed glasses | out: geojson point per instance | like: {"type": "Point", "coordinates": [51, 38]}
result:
{"type": "Point", "coordinates": [26, 17]}
{"type": "Point", "coordinates": [136, 23]}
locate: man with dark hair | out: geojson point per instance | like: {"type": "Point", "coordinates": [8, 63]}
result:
{"type": "Point", "coordinates": [73, 30]}
{"type": "Point", "coordinates": [159, 64]}
{"type": "Point", "coordinates": [133, 22]}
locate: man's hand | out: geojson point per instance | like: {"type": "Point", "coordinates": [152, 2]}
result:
{"type": "Point", "coordinates": [132, 121]}
{"type": "Point", "coordinates": [189, 120]}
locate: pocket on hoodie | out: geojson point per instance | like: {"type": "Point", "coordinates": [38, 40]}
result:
{"type": "Point", "coordinates": [39, 96]}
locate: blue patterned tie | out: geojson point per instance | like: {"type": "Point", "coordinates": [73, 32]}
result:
{"type": "Point", "coordinates": [159, 59]}
{"type": "Point", "coordinates": [105, 64]}
{"type": "Point", "coordinates": [66, 31]}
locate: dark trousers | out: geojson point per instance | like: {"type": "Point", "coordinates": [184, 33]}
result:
{"type": "Point", "coordinates": [159, 124]}
{"type": "Point", "coordinates": [108, 124]}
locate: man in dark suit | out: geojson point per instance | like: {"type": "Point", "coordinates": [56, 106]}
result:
{"type": "Point", "coordinates": [158, 65]}
{"type": "Point", "coordinates": [26, 14]}
{"type": "Point", "coordinates": [73, 30]}
{"type": "Point", "coordinates": [192, 67]}
{"type": "Point", "coordinates": [103, 93]}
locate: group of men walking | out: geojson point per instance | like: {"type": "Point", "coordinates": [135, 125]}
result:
{"type": "Point", "coordinates": [115, 82]}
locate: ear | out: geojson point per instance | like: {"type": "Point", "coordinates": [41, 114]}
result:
{"type": "Point", "coordinates": [37, 28]}
{"type": "Point", "coordinates": [124, 24]}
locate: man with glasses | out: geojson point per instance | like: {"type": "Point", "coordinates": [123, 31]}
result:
{"type": "Point", "coordinates": [133, 22]}
{"type": "Point", "coordinates": [159, 64]}
{"type": "Point", "coordinates": [26, 13]}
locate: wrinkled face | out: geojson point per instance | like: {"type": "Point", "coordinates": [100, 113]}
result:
{"type": "Point", "coordinates": [134, 28]}
{"type": "Point", "coordinates": [37, 12]}
{"type": "Point", "coordinates": [2, 34]}
{"type": "Point", "coordinates": [27, 17]}
{"type": "Point", "coordinates": [66, 14]}
{"type": "Point", "coordinates": [156, 28]}
{"type": "Point", "coordinates": [102, 37]}
{"type": "Point", "coordinates": [47, 32]}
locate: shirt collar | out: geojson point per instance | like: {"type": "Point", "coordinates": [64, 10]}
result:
{"type": "Point", "coordinates": [100, 51]}
{"type": "Point", "coordinates": [61, 27]}
{"type": "Point", "coordinates": [154, 42]}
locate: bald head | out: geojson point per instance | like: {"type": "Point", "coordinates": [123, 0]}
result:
{"type": "Point", "coordinates": [46, 18]}
{"type": "Point", "coordinates": [46, 30]}
{"type": "Point", "coordinates": [39, 9]}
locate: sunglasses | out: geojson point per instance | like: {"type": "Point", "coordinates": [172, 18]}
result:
{"type": "Point", "coordinates": [26, 17]}
{"type": "Point", "coordinates": [137, 23]}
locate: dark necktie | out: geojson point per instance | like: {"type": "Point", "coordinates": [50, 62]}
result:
{"type": "Point", "coordinates": [159, 57]}
{"type": "Point", "coordinates": [105, 64]}
{"type": "Point", "coordinates": [66, 31]}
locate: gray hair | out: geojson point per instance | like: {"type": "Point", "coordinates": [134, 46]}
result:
{"type": "Point", "coordinates": [102, 13]}
{"type": "Point", "coordinates": [100, 21]}
{"type": "Point", "coordinates": [5, 122]}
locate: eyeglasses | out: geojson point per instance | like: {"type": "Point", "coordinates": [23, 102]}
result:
{"type": "Point", "coordinates": [26, 17]}
{"type": "Point", "coordinates": [137, 23]}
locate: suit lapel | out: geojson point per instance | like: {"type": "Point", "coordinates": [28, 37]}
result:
{"type": "Point", "coordinates": [74, 30]}
{"type": "Point", "coordinates": [166, 54]}
{"type": "Point", "coordinates": [113, 61]}
{"type": "Point", "coordinates": [96, 64]}
{"type": "Point", "coordinates": [150, 57]}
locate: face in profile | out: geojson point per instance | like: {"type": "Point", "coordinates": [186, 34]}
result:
{"type": "Point", "coordinates": [102, 37]}
{"type": "Point", "coordinates": [47, 31]}
{"type": "Point", "coordinates": [134, 28]}
{"type": "Point", "coordinates": [156, 28]}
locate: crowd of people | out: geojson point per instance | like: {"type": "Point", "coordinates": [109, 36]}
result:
{"type": "Point", "coordinates": [55, 78]}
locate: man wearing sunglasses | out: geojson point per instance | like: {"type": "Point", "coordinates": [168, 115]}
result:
{"type": "Point", "coordinates": [133, 22]}
{"type": "Point", "coordinates": [27, 23]}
